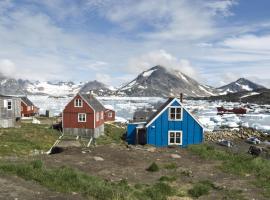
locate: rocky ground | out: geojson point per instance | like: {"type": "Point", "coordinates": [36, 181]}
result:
{"type": "Point", "coordinates": [229, 134]}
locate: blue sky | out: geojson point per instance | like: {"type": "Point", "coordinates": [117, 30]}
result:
{"type": "Point", "coordinates": [213, 41]}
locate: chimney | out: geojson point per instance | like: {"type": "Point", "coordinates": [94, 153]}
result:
{"type": "Point", "coordinates": [181, 97]}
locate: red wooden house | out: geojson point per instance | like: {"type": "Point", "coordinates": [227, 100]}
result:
{"type": "Point", "coordinates": [28, 109]}
{"type": "Point", "coordinates": [109, 114]}
{"type": "Point", "coordinates": [84, 116]}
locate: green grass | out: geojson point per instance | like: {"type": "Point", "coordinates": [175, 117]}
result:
{"type": "Point", "coordinates": [113, 134]}
{"type": "Point", "coordinates": [167, 178]}
{"type": "Point", "coordinates": [68, 180]}
{"type": "Point", "coordinates": [240, 164]}
{"type": "Point", "coordinates": [200, 188]}
{"type": "Point", "coordinates": [21, 141]}
{"type": "Point", "coordinates": [205, 186]}
{"type": "Point", "coordinates": [170, 165]}
{"type": "Point", "coordinates": [153, 167]}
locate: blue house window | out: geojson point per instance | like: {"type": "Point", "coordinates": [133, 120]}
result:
{"type": "Point", "coordinates": [175, 137]}
{"type": "Point", "coordinates": [175, 113]}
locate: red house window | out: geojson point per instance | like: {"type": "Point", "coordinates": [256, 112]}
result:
{"type": "Point", "coordinates": [78, 103]}
{"type": "Point", "coordinates": [81, 117]}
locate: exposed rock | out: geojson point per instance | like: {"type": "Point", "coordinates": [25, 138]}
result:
{"type": "Point", "coordinates": [175, 156]}
{"type": "Point", "coordinates": [97, 158]}
{"type": "Point", "coordinates": [242, 133]}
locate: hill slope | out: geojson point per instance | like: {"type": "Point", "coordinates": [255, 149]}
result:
{"type": "Point", "coordinates": [159, 81]}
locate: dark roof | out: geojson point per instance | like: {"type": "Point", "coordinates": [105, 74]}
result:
{"type": "Point", "coordinates": [147, 114]}
{"type": "Point", "coordinates": [27, 101]}
{"type": "Point", "coordinates": [93, 102]}
{"type": "Point", "coordinates": [159, 109]}
{"type": "Point", "coordinates": [142, 115]}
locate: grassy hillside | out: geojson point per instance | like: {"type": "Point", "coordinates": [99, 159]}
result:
{"type": "Point", "coordinates": [25, 140]}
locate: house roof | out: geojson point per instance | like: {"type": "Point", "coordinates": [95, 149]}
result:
{"type": "Point", "coordinates": [92, 102]}
{"type": "Point", "coordinates": [164, 107]}
{"type": "Point", "coordinates": [27, 101]}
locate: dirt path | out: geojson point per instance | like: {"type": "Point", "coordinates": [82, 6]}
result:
{"type": "Point", "coordinates": [125, 163]}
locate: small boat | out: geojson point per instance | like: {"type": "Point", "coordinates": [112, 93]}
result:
{"type": "Point", "coordinates": [221, 110]}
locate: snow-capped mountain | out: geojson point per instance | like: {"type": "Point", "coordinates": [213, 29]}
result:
{"type": "Point", "coordinates": [159, 81]}
{"type": "Point", "coordinates": [53, 89]}
{"type": "Point", "coordinates": [97, 88]}
{"type": "Point", "coordinates": [10, 86]}
{"type": "Point", "coordinates": [239, 85]}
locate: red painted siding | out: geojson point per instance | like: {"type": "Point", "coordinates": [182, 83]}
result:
{"type": "Point", "coordinates": [70, 115]}
{"type": "Point", "coordinates": [109, 115]}
{"type": "Point", "coordinates": [27, 111]}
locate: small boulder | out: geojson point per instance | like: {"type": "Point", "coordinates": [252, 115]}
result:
{"type": "Point", "coordinates": [151, 149]}
{"type": "Point", "coordinates": [175, 156]}
{"type": "Point", "coordinates": [97, 158]}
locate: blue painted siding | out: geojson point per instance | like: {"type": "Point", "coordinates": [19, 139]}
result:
{"type": "Point", "coordinates": [157, 132]}
{"type": "Point", "coordinates": [131, 133]}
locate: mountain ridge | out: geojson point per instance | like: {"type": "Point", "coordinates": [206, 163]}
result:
{"type": "Point", "coordinates": [156, 81]}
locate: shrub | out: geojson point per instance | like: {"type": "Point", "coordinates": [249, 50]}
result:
{"type": "Point", "coordinates": [199, 190]}
{"type": "Point", "coordinates": [159, 191]}
{"type": "Point", "coordinates": [167, 178]}
{"type": "Point", "coordinates": [170, 166]}
{"type": "Point", "coordinates": [153, 167]}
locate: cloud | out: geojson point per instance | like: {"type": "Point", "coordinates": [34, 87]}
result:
{"type": "Point", "coordinates": [162, 19]}
{"type": "Point", "coordinates": [104, 78]}
{"type": "Point", "coordinates": [221, 7]}
{"type": "Point", "coordinates": [7, 67]}
{"type": "Point", "coordinates": [161, 57]}
{"type": "Point", "coordinates": [249, 42]}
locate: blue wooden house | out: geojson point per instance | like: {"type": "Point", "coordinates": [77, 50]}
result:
{"type": "Point", "coordinates": [170, 124]}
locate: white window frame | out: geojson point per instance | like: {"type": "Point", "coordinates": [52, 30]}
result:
{"type": "Point", "coordinates": [175, 143]}
{"type": "Point", "coordinates": [79, 114]}
{"type": "Point", "coordinates": [77, 104]}
{"type": "Point", "coordinates": [181, 112]}
{"type": "Point", "coordinates": [9, 101]}
{"type": "Point", "coordinates": [110, 114]}
{"type": "Point", "coordinates": [97, 116]}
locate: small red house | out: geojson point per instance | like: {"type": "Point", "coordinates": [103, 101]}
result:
{"type": "Point", "coordinates": [84, 116]}
{"type": "Point", "coordinates": [28, 109]}
{"type": "Point", "coordinates": [109, 113]}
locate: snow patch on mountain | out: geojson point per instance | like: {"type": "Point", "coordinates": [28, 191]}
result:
{"type": "Point", "coordinates": [148, 73]}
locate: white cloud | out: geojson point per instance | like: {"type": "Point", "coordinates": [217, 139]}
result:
{"type": "Point", "coordinates": [249, 42]}
{"type": "Point", "coordinates": [163, 58]}
{"type": "Point", "coordinates": [7, 67]}
{"type": "Point", "coordinates": [162, 19]}
{"type": "Point", "coordinates": [221, 7]}
{"type": "Point", "coordinates": [104, 78]}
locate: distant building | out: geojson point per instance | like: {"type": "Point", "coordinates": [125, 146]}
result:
{"type": "Point", "coordinates": [10, 111]}
{"type": "Point", "coordinates": [109, 114]}
{"type": "Point", "coordinates": [84, 116]}
{"type": "Point", "coordinates": [170, 124]}
{"type": "Point", "coordinates": [28, 109]}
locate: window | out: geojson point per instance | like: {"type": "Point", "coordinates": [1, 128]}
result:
{"type": "Point", "coordinates": [175, 113]}
{"type": "Point", "coordinates": [81, 117]}
{"type": "Point", "coordinates": [97, 116]}
{"type": "Point", "coordinates": [28, 108]}
{"type": "Point", "coordinates": [101, 115]}
{"type": "Point", "coordinates": [175, 137]}
{"type": "Point", "coordinates": [9, 105]}
{"type": "Point", "coordinates": [78, 103]}
{"type": "Point", "coordinates": [110, 114]}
